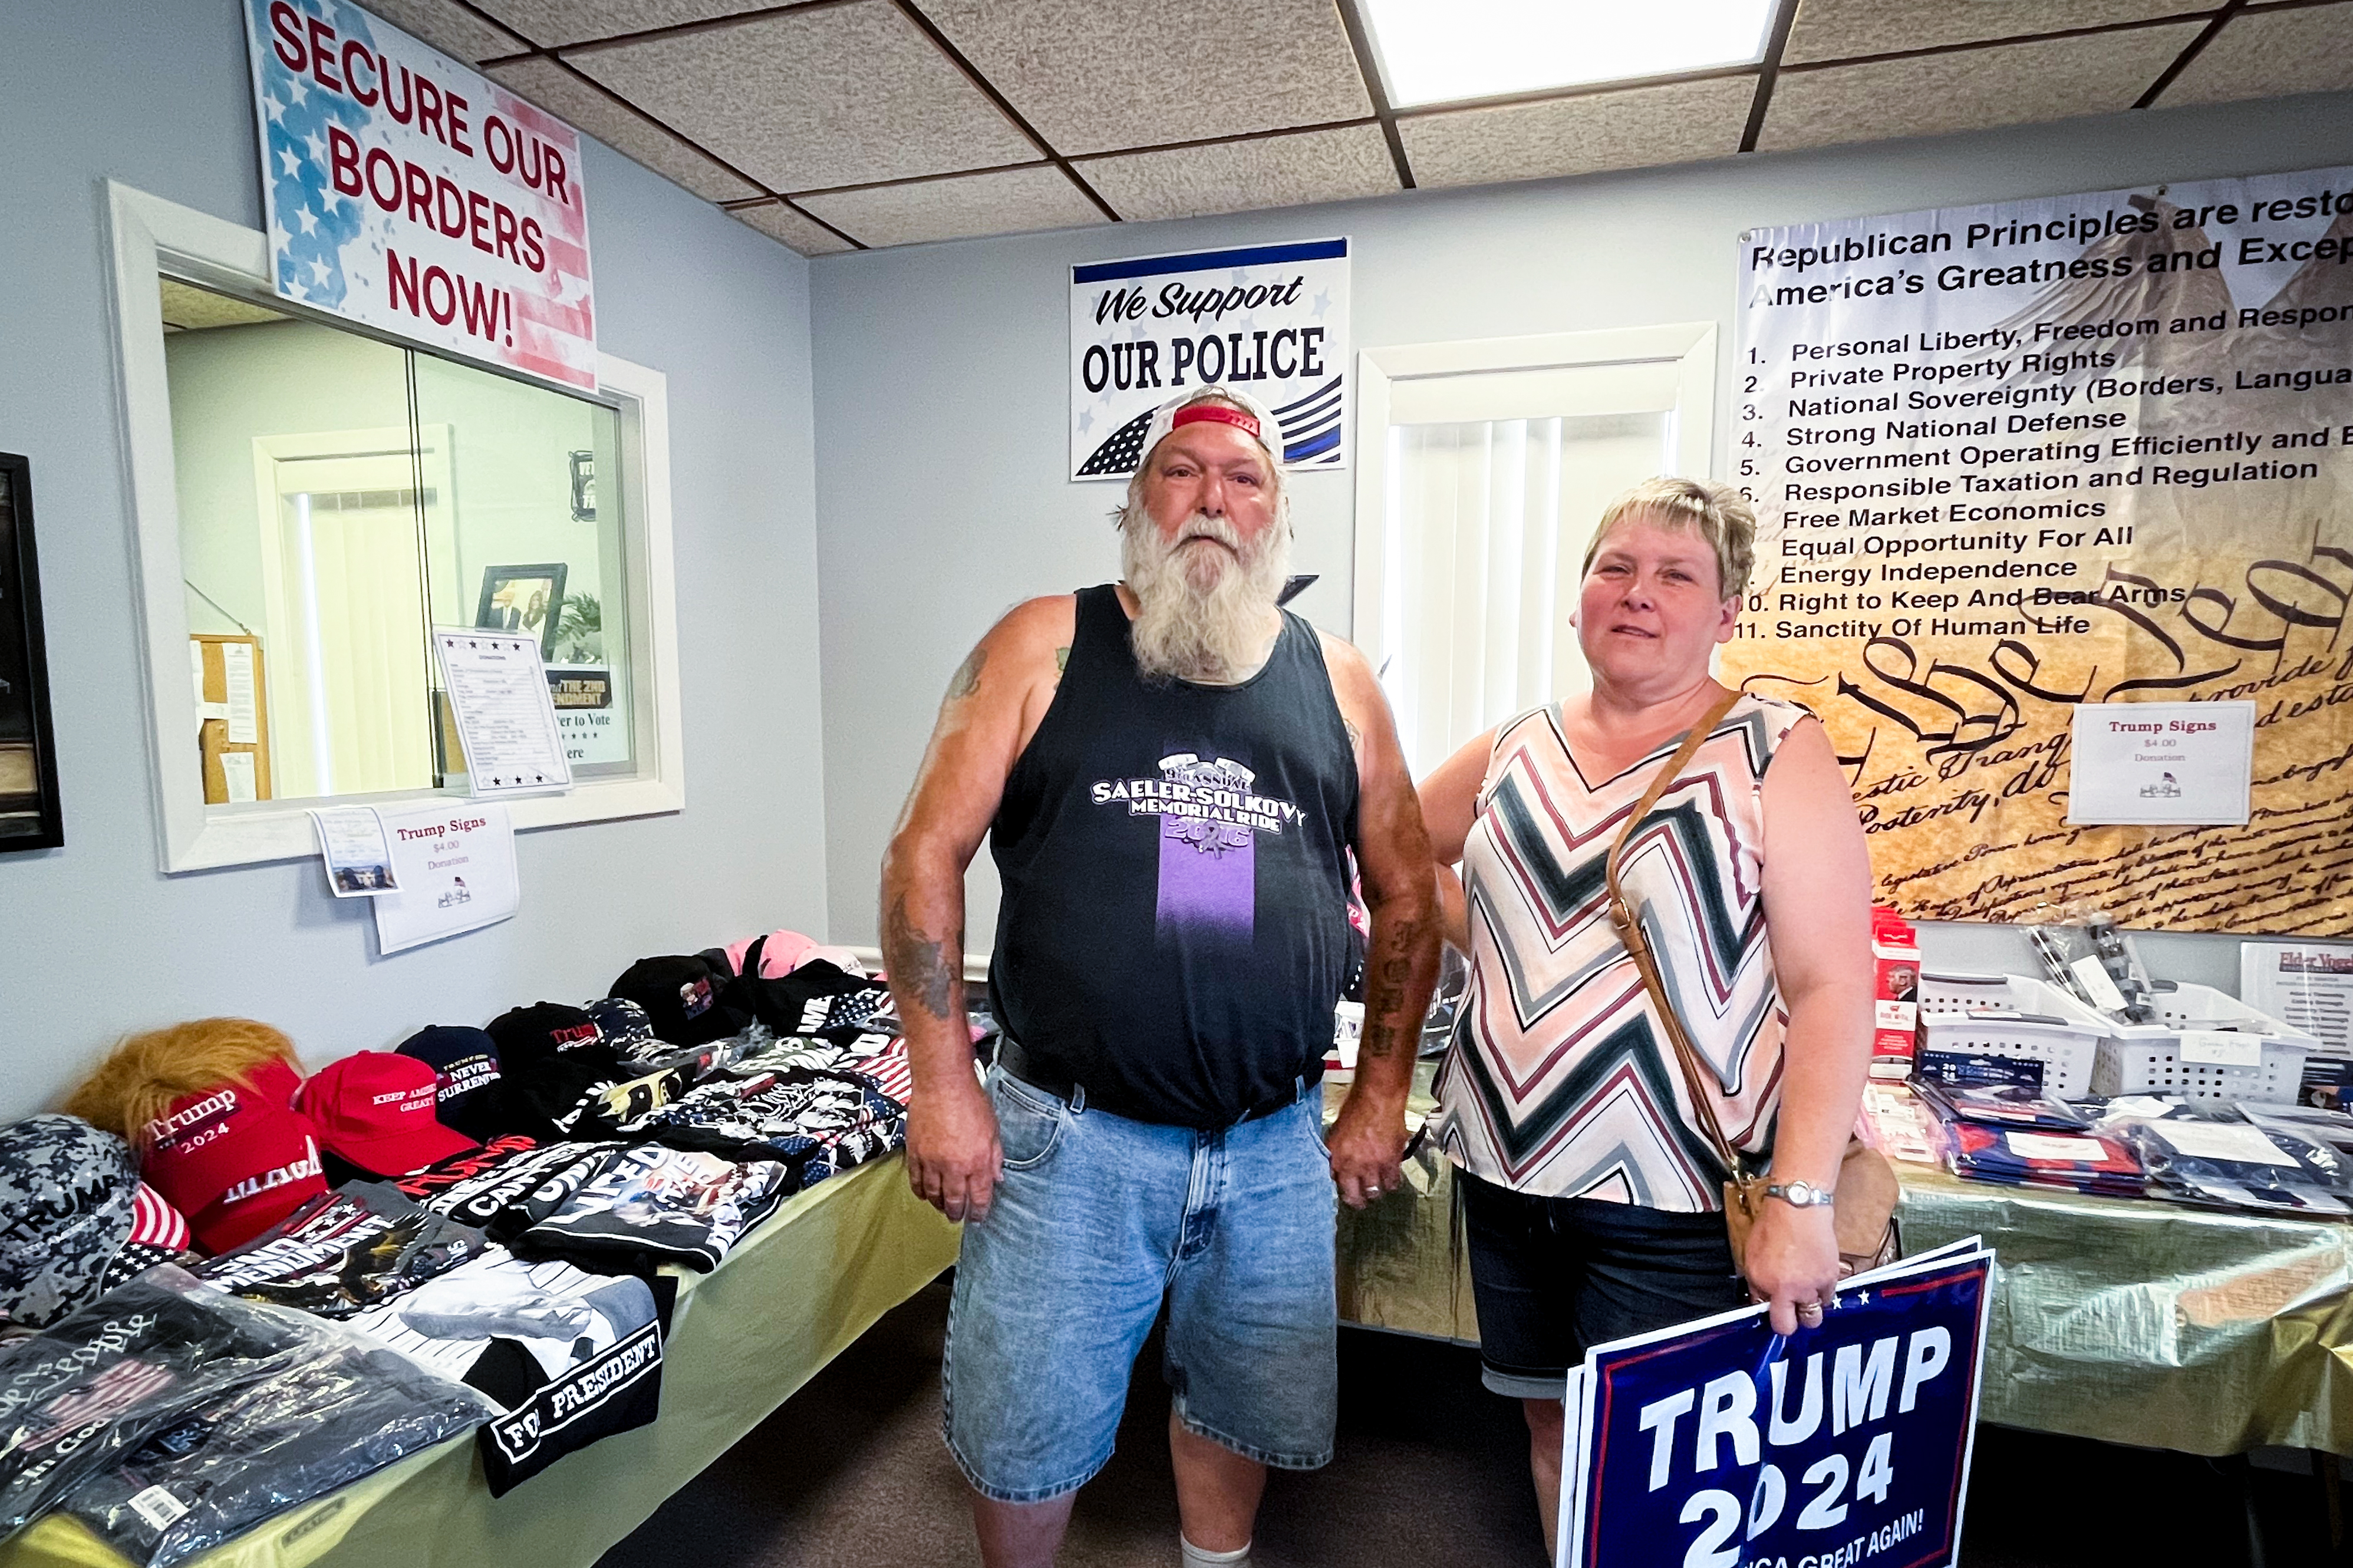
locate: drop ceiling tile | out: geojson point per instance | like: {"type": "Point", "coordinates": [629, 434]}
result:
{"type": "Point", "coordinates": [1838, 29]}
{"type": "Point", "coordinates": [551, 24]}
{"type": "Point", "coordinates": [779, 222]}
{"type": "Point", "coordinates": [1236, 176]}
{"type": "Point", "coordinates": [1101, 76]}
{"type": "Point", "coordinates": [2269, 54]}
{"type": "Point", "coordinates": [836, 95]}
{"type": "Point", "coordinates": [1966, 89]}
{"type": "Point", "coordinates": [1009, 200]}
{"type": "Point", "coordinates": [1632, 128]}
{"type": "Point", "coordinates": [595, 113]}
{"type": "Point", "coordinates": [451, 28]}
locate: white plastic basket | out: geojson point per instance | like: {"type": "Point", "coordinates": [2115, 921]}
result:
{"type": "Point", "coordinates": [2067, 1051]}
{"type": "Point", "coordinates": [1950, 992]}
{"type": "Point", "coordinates": [2145, 1058]}
{"type": "Point", "coordinates": [1989, 1015]}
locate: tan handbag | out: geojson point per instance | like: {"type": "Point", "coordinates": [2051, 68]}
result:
{"type": "Point", "coordinates": [1864, 1215]}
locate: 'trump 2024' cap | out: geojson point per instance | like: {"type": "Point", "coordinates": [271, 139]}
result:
{"type": "Point", "coordinates": [235, 1158]}
{"type": "Point", "coordinates": [377, 1110]}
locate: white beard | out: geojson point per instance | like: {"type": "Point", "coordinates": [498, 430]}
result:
{"type": "Point", "coordinates": [1202, 613]}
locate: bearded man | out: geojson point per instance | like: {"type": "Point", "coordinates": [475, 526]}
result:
{"type": "Point", "coordinates": [1172, 772]}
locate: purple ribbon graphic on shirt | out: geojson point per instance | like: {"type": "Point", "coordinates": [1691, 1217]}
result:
{"type": "Point", "coordinates": [1210, 816]}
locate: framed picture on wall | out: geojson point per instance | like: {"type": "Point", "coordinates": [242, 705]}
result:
{"type": "Point", "coordinates": [30, 814]}
{"type": "Point", "coordinates": [523, 599]}
{"type": "Point", "coordinates": [584, 487]}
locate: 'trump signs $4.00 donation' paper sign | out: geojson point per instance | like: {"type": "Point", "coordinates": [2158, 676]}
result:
{"type": "Point", "coordinates": [415, 197]}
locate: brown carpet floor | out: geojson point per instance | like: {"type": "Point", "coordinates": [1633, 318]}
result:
{"type": "Point", "coordinates": [1431, 1473]}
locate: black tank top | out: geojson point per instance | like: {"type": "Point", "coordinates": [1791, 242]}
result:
{"type": "Point", "coordinates": [1173, 928]}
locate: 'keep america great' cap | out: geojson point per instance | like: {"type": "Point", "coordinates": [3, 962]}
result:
{"type": "Point", "coordinates": [377, 1110]}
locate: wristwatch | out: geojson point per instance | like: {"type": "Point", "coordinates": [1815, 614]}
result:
{"type": "Point", "coordinates": [1801, 1194]}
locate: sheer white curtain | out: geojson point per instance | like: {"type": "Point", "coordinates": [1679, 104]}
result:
{"type": "Point", "coordinates": [1486, 523]}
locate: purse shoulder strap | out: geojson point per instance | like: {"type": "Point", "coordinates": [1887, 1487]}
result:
{"type": "Point", "coordinates": [1629, 930]}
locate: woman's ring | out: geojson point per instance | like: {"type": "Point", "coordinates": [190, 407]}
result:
{"type": "Point", "coordinates": [1810, 1309]}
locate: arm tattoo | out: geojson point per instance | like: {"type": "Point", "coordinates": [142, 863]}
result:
{"type": "Point", "coordinates": [1385, 1036]}
{"type": "Point", "coordinates": [925, 969]}
{"type": "Point", "coordinates": [1356, 738]}
{"type": "Point", "coordinates": [1061, 662]}
{"type": "Point", "coordinates": [967, 679]}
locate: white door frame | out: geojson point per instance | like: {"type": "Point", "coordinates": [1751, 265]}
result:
{"type": "Point", "coordinates": [1688, 346]}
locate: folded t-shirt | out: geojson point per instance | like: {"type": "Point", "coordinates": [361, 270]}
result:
{"type": "Point", "coordinates": [573, 1356]}
{"type": "Point", "coordinates": [651, 1205]}
{"type": "Point", "coordinates": [523, 1190]}
{"type": "Point", "coordinates": [345, 1251]}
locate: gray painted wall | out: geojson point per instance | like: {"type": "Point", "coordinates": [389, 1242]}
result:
{"type": "Point", "coordinates": [939, 489]}
{"type": "Point", "coordinates": [94, 941]}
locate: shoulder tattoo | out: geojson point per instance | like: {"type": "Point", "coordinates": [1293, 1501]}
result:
{"type": "Point", "coordinates": [1061, 662]}
{"type": "Point", "coordinates": [967, 679]}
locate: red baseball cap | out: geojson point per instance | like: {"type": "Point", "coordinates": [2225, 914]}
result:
{"type": "Point", "coordinates": [235, 1158]}
{"type": "Point", "coordinates": [379, 1110]}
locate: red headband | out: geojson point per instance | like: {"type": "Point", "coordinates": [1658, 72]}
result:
{"type": "Point", "coordinates": [1193, 413]}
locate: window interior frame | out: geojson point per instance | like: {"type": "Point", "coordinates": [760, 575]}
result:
{"type": "Point", "coordinates": [152, 237]}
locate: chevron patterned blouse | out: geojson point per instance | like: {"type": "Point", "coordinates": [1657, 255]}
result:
{"type": "Point", "coordinates": [1560, 1081]}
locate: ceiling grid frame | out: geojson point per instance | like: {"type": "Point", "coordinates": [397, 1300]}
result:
{"type": "Point", "coordinates": [2028, 21]}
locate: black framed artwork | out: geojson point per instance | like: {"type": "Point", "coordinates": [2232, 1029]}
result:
{"type": "Point", "coordinates": [523, 599]}
{"type": "Point", "coordinates": [584, 487]}
{"type": "Point", "coordinates": [31, 817]}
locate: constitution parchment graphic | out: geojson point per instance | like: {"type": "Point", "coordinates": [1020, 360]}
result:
{"type": "Point", "coordinates": [2012, 457]}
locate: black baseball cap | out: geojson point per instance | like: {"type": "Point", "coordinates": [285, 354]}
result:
{"type": "Point", "coordinates": [688, 999]}
{"type": "Point", "coordinates": [545, 1030]}
{"type": "Point", "coordinates": [626, 1028]}
{"type": "Point", "coordinates": [467, 1063]}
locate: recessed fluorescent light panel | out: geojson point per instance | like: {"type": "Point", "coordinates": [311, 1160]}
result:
{"type": "Point", "coordinates": [1439, 51]}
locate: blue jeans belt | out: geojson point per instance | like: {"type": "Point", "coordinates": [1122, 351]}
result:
{"type": "Point", "coordinates": [1031, 1069]}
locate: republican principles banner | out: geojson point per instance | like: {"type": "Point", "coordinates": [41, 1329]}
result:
{"type": "Point", "coordinates": [408, 193]}
{"type": "Point", "coordinates": [1268, 320]}
{"type": "Point", "coordinates": [2014, 457]}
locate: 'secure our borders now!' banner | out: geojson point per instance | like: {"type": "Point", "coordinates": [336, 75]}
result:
{"type": "Point", "coordinates": [2014, 457]}
{"type": "Point", "coordinates": [411, 195]}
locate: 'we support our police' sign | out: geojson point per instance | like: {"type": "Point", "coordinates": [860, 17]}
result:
{"type": "Point", "coordinates": [1721, 1445]}
{"type": "Point", "coordinates": [409, 193]}
{"type": "Point", "coordinates": [1269, 320]}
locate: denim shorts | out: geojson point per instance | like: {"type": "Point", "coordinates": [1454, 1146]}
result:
{"type": "Point", "coordinates": [1553, 1277]}
{"type": "Point", "coordinates": [1099, 1219]}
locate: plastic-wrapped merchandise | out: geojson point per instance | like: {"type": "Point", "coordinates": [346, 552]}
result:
{"type": "Point", "coordinates": [2000, 1105]}
{"type": "Point", "coordinates": [2329, 1130]}
{"type": "Point", "coordinates": [305, 1405]}
{"type": "Point", "coordinates": [2195, 1157]}
{"type": "Point", "coordinates": [2071, 1161]}
{"type": "Point", "coordinates": [2085, 953]}
{"type": "Point", "coordinates": [344, 1411]}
